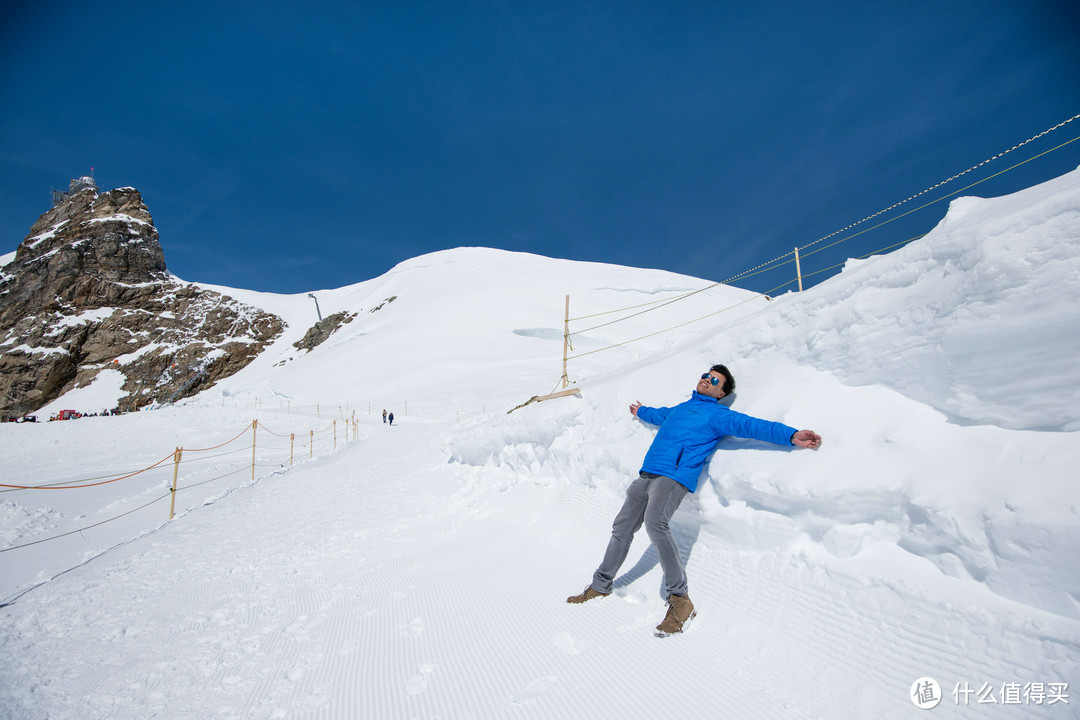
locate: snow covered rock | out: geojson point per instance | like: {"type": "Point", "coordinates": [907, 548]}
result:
{"type": "Point", "coordinates": [88, 290]}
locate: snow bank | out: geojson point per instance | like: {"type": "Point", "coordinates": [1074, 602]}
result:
{"type": "Point", "coordinates": [976, 319]}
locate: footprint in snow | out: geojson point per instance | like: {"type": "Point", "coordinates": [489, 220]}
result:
{"type": "Point", "coordinates": [534, 690]}
{"type": "Point", "coordinates": [569, 644]}
{"type": "Point", "coordinates": [418, 683]}
{"type": "Point", "coordinates": [413, 628]}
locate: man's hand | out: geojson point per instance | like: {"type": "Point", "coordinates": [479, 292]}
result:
{"type": "Point", "coordinates": [634, 408]}
{"type": "Point", "coordinates": [806, 439]}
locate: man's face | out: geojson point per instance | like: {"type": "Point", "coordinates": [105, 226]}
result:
{"type": "Point", "coordinates": [705, 385]}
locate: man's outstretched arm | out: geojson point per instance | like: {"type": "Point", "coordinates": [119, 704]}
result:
{"type": "Point", "coordinates": [651, 415]}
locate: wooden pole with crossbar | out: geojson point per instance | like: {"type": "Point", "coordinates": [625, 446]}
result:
{"type": "Point", "coordinates": [798, 268]}
{"type": "Point", "coordinates": [565, 341]}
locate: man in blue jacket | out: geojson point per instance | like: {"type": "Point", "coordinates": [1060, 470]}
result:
{"type": "Point", "coordinates": [687, 437]}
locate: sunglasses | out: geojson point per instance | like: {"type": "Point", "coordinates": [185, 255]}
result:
{"type": "Point", "coordinates": [711, 378]}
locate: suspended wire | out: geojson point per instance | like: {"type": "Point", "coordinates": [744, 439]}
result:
{"type": "Point", "coordinates": [763, 266]}
{"type": "Point", "coordinates": [937, 200]}
{"type": "Point", "coordinates": [95, 484]}
{"type": "Point", "coordinates": [667, 302]}
{"type": "Point", "coordinates": [717, 312]}
{"type": "Point", "coordinates": [748, 273]}
{"type": "Point", "coordinates": [72, 532]}
{"type": "Point", "coordinates": [215, 447]}
{"type": "Point", "coordinates": [954, 177]}
{"type": "Point", "coordinates": [675, 327]}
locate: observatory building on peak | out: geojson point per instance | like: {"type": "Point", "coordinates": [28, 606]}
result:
{"type": "Point", "coordinates": [86, 182]}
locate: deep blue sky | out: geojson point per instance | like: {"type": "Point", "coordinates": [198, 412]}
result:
{"type": "Point", "coordinates": [298, 146]}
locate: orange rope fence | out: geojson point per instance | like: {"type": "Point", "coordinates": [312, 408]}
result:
{"type": "Point", "coordinates": [326, 442]}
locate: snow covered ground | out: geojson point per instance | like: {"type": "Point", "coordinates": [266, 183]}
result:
{"type": "Point", "coordinates": [420, 570]}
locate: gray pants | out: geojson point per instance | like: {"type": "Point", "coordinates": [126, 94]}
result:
{"type": "Point", "coordinates": [652, 500]}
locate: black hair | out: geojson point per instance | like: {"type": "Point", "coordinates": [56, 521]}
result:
{"type": "Point", "coordinates": [729, 379]}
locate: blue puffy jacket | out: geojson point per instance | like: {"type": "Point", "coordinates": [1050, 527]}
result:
{"type": "Point", "coordinates": [690, 431]}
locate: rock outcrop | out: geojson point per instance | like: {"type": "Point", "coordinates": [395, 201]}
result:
{"type": "Point", "coordinates": [88, 292]}
{"type": "Point", "coordinates": [321, 331]}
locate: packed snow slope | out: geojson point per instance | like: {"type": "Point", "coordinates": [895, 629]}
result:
{"type": "Point", "coordinates": [327, 565]}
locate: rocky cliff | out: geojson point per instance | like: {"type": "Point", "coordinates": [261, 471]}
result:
{"type": "Point", "coordinates": [88, 292]}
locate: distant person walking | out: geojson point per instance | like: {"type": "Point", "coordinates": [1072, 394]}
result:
{"type": "Point", "coordinates": [391, 418]}
{"type": "Point", "coordinates": [384, 415]}
{"type": "Point", "coordinates": [688, 434]}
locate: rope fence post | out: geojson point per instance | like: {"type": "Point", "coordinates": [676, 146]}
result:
{"type": "Point", "coordinates": [292, 440]}
{"type": "Point", "coordinates": [311, 443]}
{"type": "Point", "coordinates": [175, 474]}
{"type": "Point", "coordinates": [798, 269]}
{"type": "Point", "coordinates": [335, 434]}
{"type": "Point", "coordinates": [254, 427]}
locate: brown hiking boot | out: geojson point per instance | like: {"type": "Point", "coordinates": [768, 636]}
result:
{"type": "Point", "coordinates": [587, 594]}
{"type": "Point", "coordinates": [680, 611]}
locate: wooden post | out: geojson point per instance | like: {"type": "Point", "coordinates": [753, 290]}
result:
{"type": "Point", "coordinates": [541, 398]}
{"type": "Point", "coordinates": [335, 434]}
{"type": "Point", "coordinates": [565, 341]}
{"type": "Point", "coordinates": [798, 268]}
{"type": "Point", "coordinates": [254, 427]}
{"type": "Point", "coordinates": [292, 439]}
{"type": "Point", "coordinates": [175, 474]}
{"type": "Point", "coordinates": [311, 443]}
